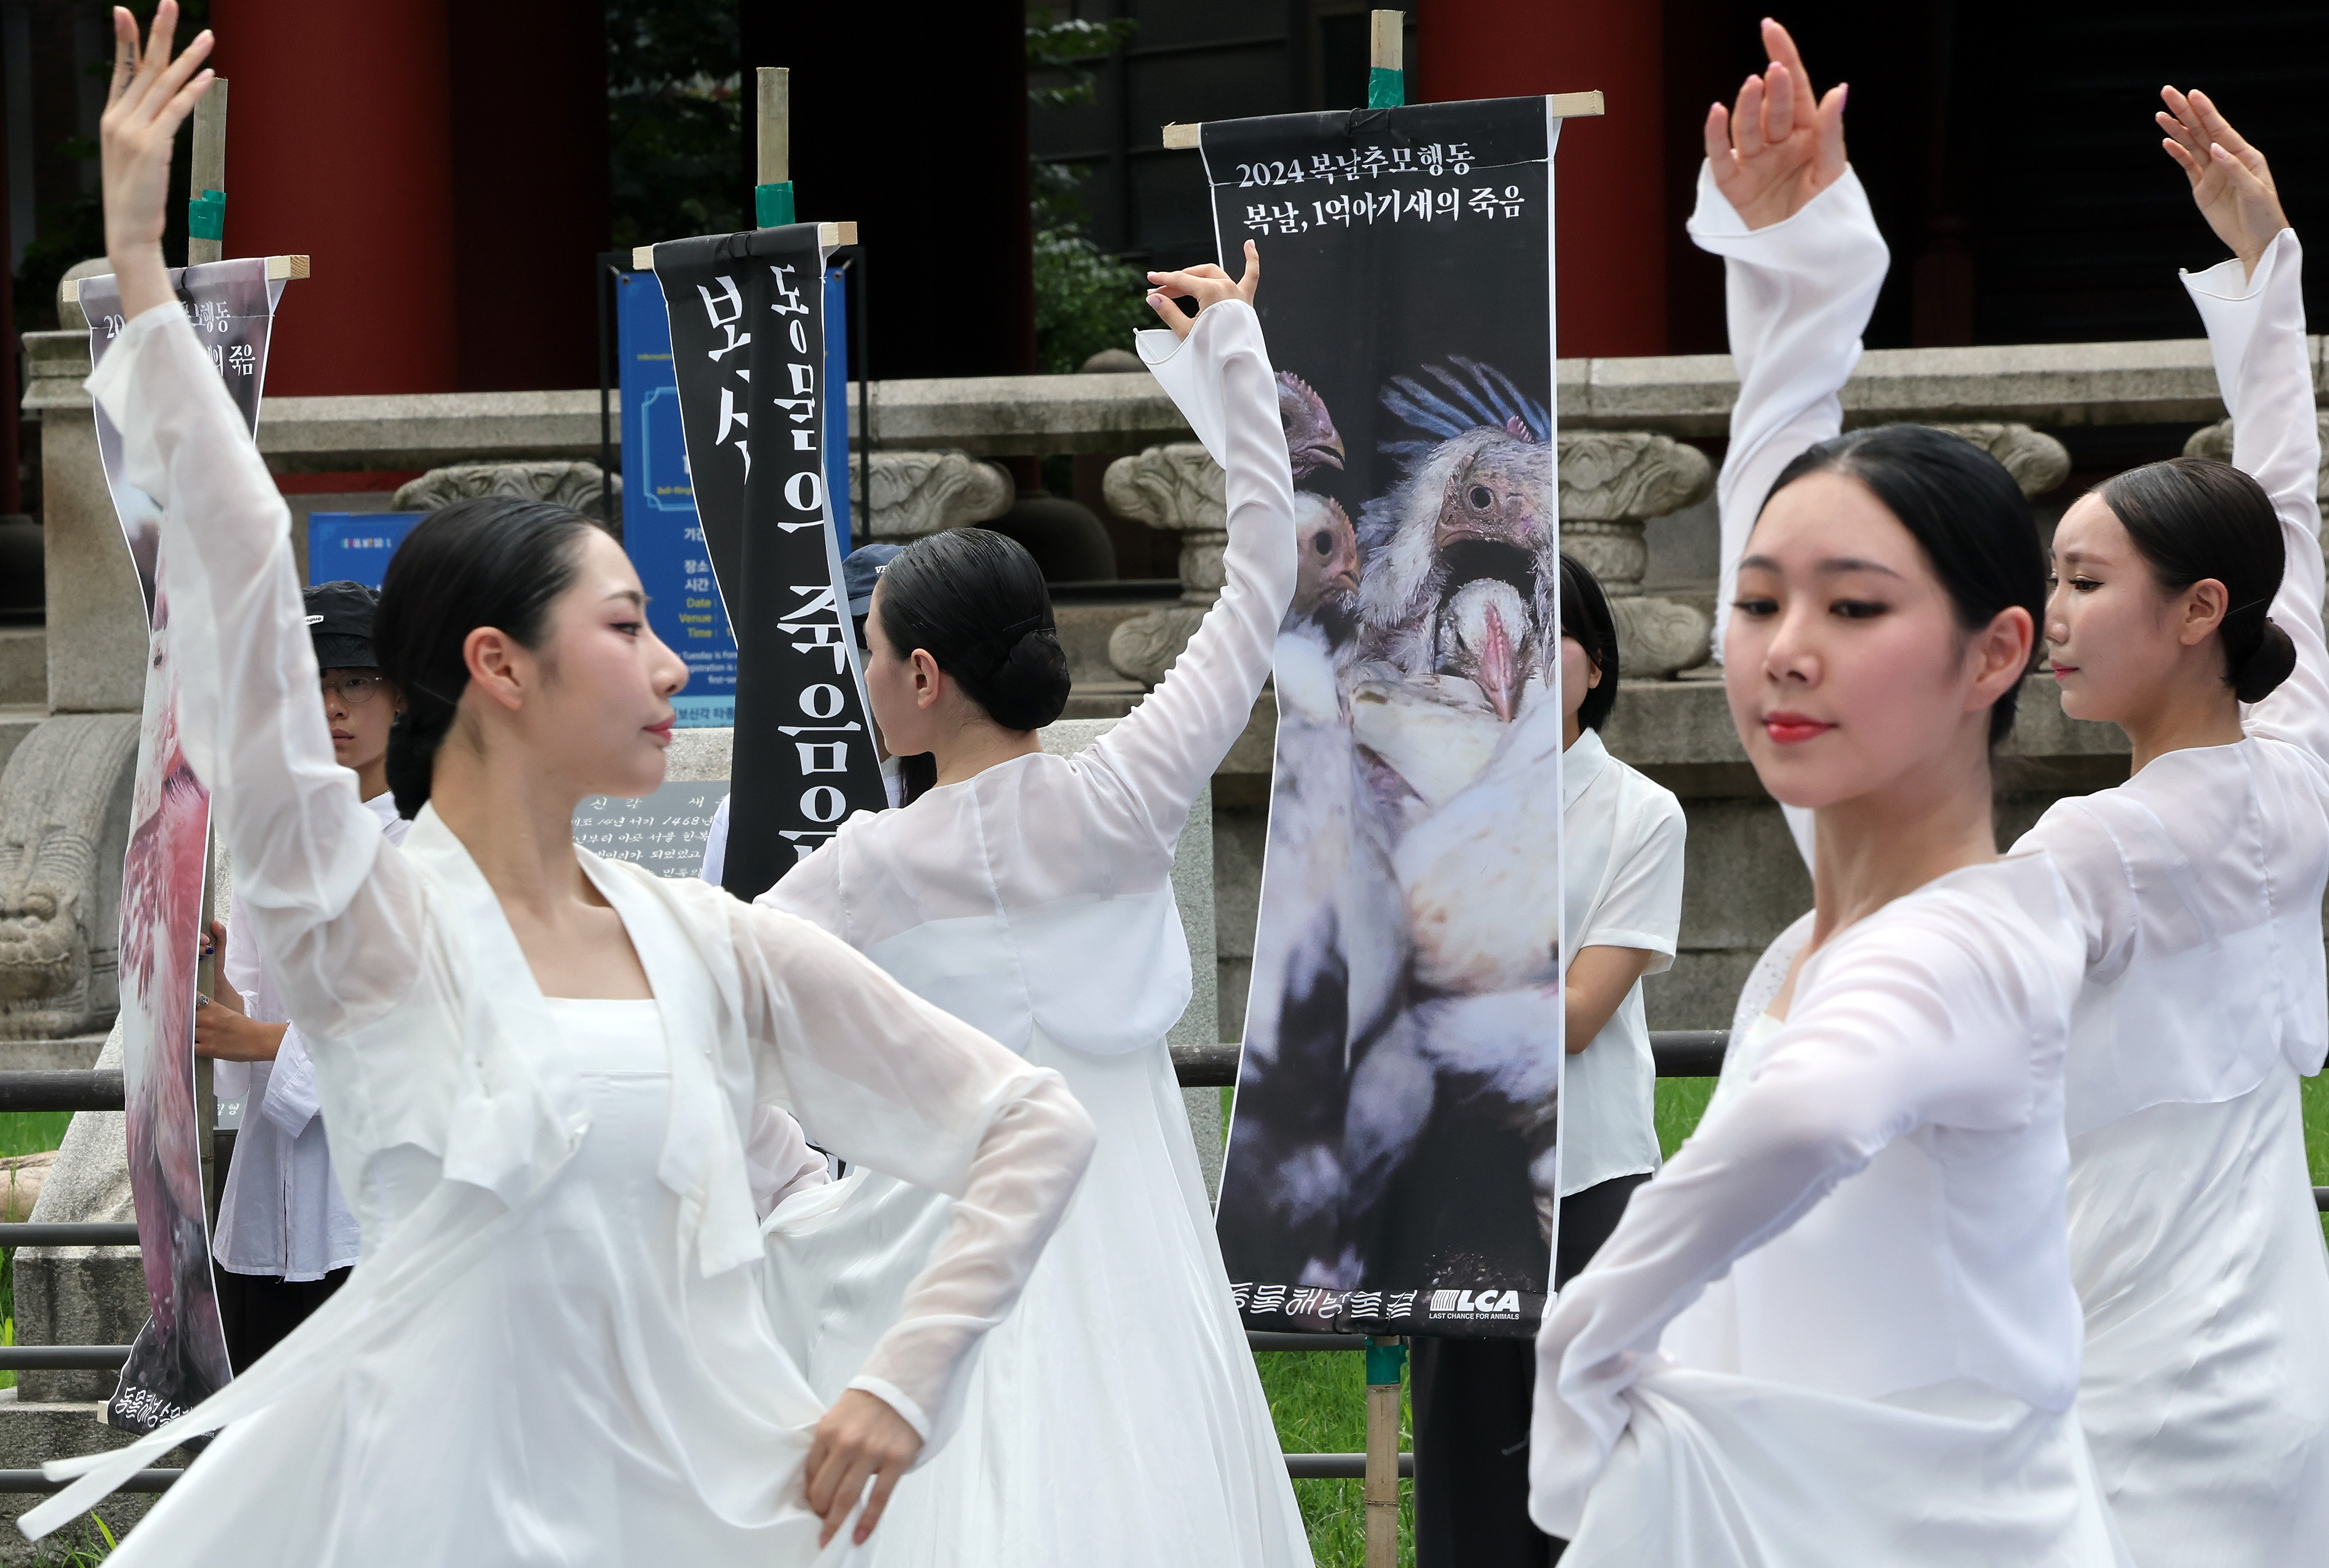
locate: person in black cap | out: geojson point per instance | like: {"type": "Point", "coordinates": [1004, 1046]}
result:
{"type": "Point", "coordinates": [286, 1237]}
{"type": "Point", "coordinates": [902, 778]}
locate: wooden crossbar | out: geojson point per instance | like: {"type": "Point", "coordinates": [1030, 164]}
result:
{"type": "Point", "coordinates": [1565, 106]}
{"type": "Point", "coordinates": [828, 234]}
{"type": "Point", "coordinates": [278, 268]}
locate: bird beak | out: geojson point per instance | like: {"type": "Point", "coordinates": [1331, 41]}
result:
{"type": "Point", "coordinates": [1345, 580]}
{"type": "Point", "coordinates": [1497, 673]}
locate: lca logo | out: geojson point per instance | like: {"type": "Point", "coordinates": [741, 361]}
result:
{"type": "Point", "coordinates": [1476, 1304]}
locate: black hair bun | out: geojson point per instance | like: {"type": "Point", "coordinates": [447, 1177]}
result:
{"type": "Point", "coordinates": [2269, 663]}
{"type": "Point", "coordinates": [1029, 688]}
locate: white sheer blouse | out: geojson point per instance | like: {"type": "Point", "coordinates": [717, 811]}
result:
{"type": "Point", "coordinates": [2198, 883]}
{"type": "Point", "coordinates": [431, 1039]}
{"type": "Point", "coordinates": [1049, 878]}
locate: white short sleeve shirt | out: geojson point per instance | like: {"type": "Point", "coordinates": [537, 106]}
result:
{"type": "Point", "coordinates": [1622, 888]}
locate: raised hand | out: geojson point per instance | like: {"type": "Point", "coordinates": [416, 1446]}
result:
{"type": "Point", "coordinates": [151, 96]}
{"type": "Point", "coordinates": [2231, 184]}
{"type": "Point", "coordinates": [1783, 144]}
{"type": "Point", "coordinates": [1206, 284]}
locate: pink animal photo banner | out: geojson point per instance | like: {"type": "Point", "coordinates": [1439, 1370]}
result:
{"type": "Point", "coordinates": [1392, 1164]}
{"type": "Point", "coordinates": [179, 1358]}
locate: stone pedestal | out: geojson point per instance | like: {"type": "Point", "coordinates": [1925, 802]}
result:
{"type": "Point", "coordinates": [96, 615]}
{"type": "Point", "coordinates": [919, 492]}
{"type": "Point", "coordinates": [1177, 488]}
{"type": "Point", "coordinates": [1612, 483]}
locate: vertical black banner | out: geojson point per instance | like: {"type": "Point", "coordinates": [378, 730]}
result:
{"type": "Point", "coordinates": [1393, 1163]}
{"type": "Point", "coordinates": [179, 1358]}
{"type": "Point", "coordinates": [748, 346]}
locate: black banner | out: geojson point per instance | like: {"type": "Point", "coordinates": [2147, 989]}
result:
{"type": "Point", "coordinates": [179, 1358]}
{"type": "Point", "coordinates": [1392, 1164]}
{"type": "Point", "coordinates": [748, 346]}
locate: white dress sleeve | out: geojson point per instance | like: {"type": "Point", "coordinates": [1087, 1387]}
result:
{"type": "Point", "coordinates": [1907, 1026]}
{"type": "Point", "coordinates": [1797, 295]}
{"type": "Point", "coordinates": [1164, 752]}
{"type": "Point", "coordinates": [291, 1100]}
{"type": "Point", "coordinates": [882, 1078]}
{"type": "Point", "coordinates": [2256, 334]}
{"type": "Point", "coordinates": [331, 905]}
{"type": "Point", "coordinates": [715, 844]}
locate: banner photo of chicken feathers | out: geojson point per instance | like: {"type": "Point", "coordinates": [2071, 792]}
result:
{"type": "Point", "coordinates": [179, 1358]}
{"type": "Point", "coordinates": [748, 346]}
{"type": "Point", "coordinates": [1392, 1164]}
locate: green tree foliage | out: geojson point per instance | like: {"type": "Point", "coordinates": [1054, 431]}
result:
{"type": "Point", "coordinates": [1086, 299]}
{"type": "Point", "coordinates": [674, 117]}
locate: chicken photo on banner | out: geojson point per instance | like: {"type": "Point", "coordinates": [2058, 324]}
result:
{"type": "Point", "coordinates": [179, 1358]}
{"type": "Point", "coordinates": [1393, 1156]}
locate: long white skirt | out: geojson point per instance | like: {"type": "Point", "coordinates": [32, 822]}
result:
{"type": "Point", "coordinates": [1719, 1472]}
{"type": "Point", "coordinates": [1115, 1417]}
{"type": "Point", "coordinates": [2205, 1393]}
{"type": "Point", "coordinates": [572, 1392]}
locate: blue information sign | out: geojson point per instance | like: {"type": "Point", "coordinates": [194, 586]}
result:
{"type": "Point", "coordinates": [660, 528]}
{"type": "Point", "coordinates": [355, 546]}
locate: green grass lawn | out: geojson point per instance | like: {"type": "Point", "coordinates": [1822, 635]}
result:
{"type": "Point", "coordinates": [22, 1132]}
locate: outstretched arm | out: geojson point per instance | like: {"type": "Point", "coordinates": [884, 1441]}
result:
{"type": "Point", "coordinates": [1803, 264]}
{"type": "Point", "coordinates": [2254, 309]}
{"type": "Point", "coordinates": [1219, 374]}
{"type": "Point", "coordinates": [337, 916]}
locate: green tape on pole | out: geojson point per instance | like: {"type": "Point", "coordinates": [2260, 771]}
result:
{"type": "Point", "coordinates": [1386, 89]}
{"type": "Point", "coordinates": [772, 205]}
{"type": "Point", "coordinates": [206, 215]}
{"type": "Point", "coordinates": [1385, 1362]}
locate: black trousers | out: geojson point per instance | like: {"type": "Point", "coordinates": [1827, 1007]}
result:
{"type": "Point", "coordinates": [258, 1310]}
{"type": "Point", "coordinates": [1471, 1400]}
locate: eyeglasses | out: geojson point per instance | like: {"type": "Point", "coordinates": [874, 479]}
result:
{"type": "Point", "coordinates": [351, 691]}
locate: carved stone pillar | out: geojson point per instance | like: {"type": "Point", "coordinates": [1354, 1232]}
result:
{"type": "Point", "coordinates": [2216, 441]}
{"type": "Point", "coordinates": [580, 485]}
{"type": "Point", "coordinates": [1176, 487]}
{"type": "Point", "coordinates": [2037, 461]}
{"type": "Point", "coordinates": [64, 826]}
{"type": "Point", "coordinates": [919, 492]}
{"type": "Point", "coordinates": [1612, 483]}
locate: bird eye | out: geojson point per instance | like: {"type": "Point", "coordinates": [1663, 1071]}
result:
{"type": "Point", "coordinates": [1322, 544]}
{"type": "Point", "coordinates": [1481, 497]}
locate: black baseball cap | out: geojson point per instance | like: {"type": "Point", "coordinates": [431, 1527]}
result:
{"type": "Point", "coordinates": [339, 617]}
{"type": "Point", "coordinates": [862, 570]}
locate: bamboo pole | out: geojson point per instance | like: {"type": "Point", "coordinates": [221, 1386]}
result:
{"type": "Point", "coordinates": [206, 186]}
{"type": "Point", "coordinates": [1386, 1359]}
{"type": "Point", "coordinates": [772, 197]}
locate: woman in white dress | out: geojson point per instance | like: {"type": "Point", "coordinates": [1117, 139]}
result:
{"type": "Point", "coordinates": [541, 1069]}
{"type": "Point", "coordinates": [2197, 883]}
{"type": "Point", "coordinates": [1621, 845]}
{"type": "Point", "coordinates": [1838, 1327]}
{"type": "Point", "coordinates": [1031, 895]}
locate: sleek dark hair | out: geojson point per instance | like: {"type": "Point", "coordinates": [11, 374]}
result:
{"type": "Point", "coordinates": [1585, 615]}
{"type": "Point", "coordinates": [497, 561]}
{"type": "Point", "coordinates": [976, 602]}
{"type": "Point", "coordinates": [1962, 507]}
{"type": "Point", "coordinates": [2195, 518]}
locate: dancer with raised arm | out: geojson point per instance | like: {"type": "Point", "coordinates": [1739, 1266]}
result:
{"type": "Point", "coordinates": [540, 1067]}
{"type": "Point", "coordinates": [1116, 1417]}
{"type": "Point", "coordinates": [2193, 1236]}
{"type": "Point", "coordinates": [1838, 1327]}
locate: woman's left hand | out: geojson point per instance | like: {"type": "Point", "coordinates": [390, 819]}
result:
{"type": "Point", "coordinates": [1206, 284]}
{"type": "Point", "coordinates": [861, 1439]}
{"type": "Point", "coordinates": [151, 96]}
{"type": "Point", "coordinates": [2231, 184]}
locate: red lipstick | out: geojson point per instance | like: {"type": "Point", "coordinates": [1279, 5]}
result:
{"type": "Point", "coordinates": [1793, 728]}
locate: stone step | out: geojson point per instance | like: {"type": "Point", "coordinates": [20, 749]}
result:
{"type": "Point", "coordinates": [74, 1053]}
{"type": "Point", "coordinates": [32, 1433]}
{"type": "Point", "coordinates": [23, 666]}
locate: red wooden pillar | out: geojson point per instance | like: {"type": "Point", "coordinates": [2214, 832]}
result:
{"type": "Point", "coordinates": [1610, 247]}
{"type": "Point", "coordinates": [339, 145]}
